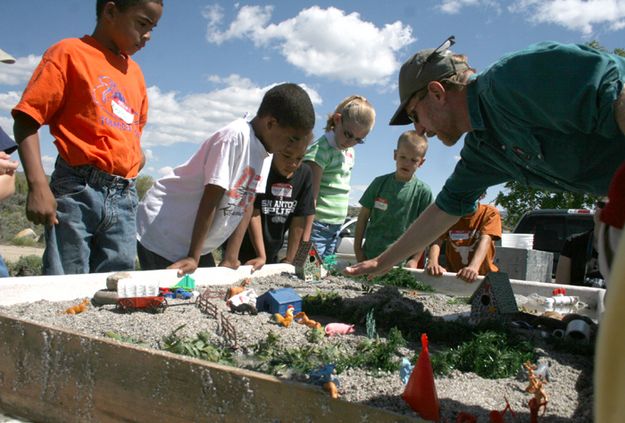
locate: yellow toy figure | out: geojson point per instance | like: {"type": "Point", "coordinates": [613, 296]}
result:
{"type": "Point", "coordinates": [332, 389]}
{"type": "Point", "coordinates": [303, 319]}
{"type": "Point", "coordinates": [78, 308]}
{"type": "Point", "coordinates": [287, 319]}
{"type": "Point", "coordinates": [537, 387]}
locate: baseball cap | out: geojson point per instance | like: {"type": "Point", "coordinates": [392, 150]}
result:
{"type": "Point", "coordinates": [6, 143]}
{"type": "Point", "coordinates": [6, 57]}
{"type": "Point", "coordinates": [432, 64]}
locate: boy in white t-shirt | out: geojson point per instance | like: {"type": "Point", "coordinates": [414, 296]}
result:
{"type": "Point", "coordinates": [193, 210]}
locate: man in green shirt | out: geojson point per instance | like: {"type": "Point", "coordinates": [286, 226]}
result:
{"type": "Point", "coordinates": [550, 116]}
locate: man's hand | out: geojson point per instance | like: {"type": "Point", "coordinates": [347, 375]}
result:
{"type": "Point", "coordinates": [435, 269]}
{"type": "Point", "coordinates": [371, 267]}
{"type": "Point", "coordinates": [185, 266]}
{"type": "Point", "coordinates": [467, 274]}
{"type": "Point", "coordinates": [231, 263]}
{"type": "Point", "coordinates": [256, 263]}
{"type": "Point", "coordinates": [41, 206]}
{"type": "Point", "coordinates": [7, 166]}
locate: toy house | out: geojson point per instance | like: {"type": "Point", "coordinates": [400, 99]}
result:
{"type": "Point", "coordinates": [277, 301]}
{"type": "Point", "coordinates": [493, 299]}
{"type": "Point", "coordinates": [308, 264]}
{"type": "Point", "coordinates": [187, 282]}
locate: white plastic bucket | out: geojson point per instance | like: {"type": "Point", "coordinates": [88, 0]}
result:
{"type": "Point", "coordinates": [524, 241]}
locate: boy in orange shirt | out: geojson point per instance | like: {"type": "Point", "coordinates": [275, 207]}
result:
{"type": "Point", "coordinates": [93, 97]}
{"type": "Point", "coordinates": [470, 246]}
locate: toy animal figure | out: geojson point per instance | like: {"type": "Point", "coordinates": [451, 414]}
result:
{"type": "Point", "coordinates": [499, 416]}
{"type": "Point", "coordinates": [234, 290]}
{"type": "Point", "coordinates": [339, 329]}
{"type": "Point", "coordinates": [332, 389]}
{"type": "Point", "coordinates": [540, 399]}
{"type": "Point", "coordinates": [536, 387]}
{"type": "Point", "coordinates": [243, 308]}
{"type": "Point", "coordinates": [464, 417]}
{"type": "Point", "coordinates": [287, 319]}
{"type": "Point", "coordinates": [78, 308]}
{"type": "Point", "coordinates": [493, 417]}
{"type": "Point", "coordinates": [326, 377]}
{"type": "Point", "coordinates": [303, 319]}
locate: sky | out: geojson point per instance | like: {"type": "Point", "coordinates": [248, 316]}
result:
{"type": "Point", "coordinates": [209, 63]}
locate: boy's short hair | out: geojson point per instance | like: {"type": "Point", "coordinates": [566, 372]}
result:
{"type": "Point", "coordinates": [413, 137]}
{"type": "Point", "coordinates": [290, 105]}
{"type": "Point", "coordinates": [122, 5]}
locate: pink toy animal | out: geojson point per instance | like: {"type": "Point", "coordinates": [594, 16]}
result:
{"type": "Point", "coordinates": [339, 329]}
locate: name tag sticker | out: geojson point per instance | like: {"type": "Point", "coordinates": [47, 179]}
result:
{"type": "Point", "coordinates": [458, 235]}
{"type": "Point", "coordinates": [380, 203]}
{"type": "Point", "coordinates": [122, 111]}
{"type": "Point", "coordinates": [282, 190]}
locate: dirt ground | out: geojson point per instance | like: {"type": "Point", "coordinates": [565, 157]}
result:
{"type": "Point", "coordinates": [12, 253]}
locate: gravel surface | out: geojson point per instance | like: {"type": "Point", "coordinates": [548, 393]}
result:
{"type": "Point", "coordinates": [569, 389]}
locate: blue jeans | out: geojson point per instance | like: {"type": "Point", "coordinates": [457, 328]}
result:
{"type": "Point", "coordinates": [96, 230]}
{"type": "Point", "coordinates": [325, 236]}
{"type": "Point", "coordinates": [4, 272]}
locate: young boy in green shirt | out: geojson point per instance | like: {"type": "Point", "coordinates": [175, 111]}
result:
{"type": "Point", "coordinates": [393, 201]}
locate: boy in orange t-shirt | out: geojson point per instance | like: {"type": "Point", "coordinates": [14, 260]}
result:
{"type": "Point", "coordinates": [470, 246]}
{"type": "Point", "coordinates": [93, 97]}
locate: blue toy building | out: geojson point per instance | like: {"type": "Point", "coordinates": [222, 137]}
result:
{"type": "Point", "coordinates": [277, 300]}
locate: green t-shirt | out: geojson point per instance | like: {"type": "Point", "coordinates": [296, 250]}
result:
{"type": "Point", "coordinates": [336, 166]}
{"type": "Point", "coordinates": [393, 206]}
{"type": "Point", "coordinates": [543, 117]}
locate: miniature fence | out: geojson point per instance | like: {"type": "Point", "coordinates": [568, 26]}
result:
{"type": "Point", "coordinates": [229, 332]}
{"type": "Point", "coordinates": [225, 328]}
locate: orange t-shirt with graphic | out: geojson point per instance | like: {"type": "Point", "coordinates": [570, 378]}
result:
{"type": "Point", "coordinates": [463, 239]}
{"type": "Point", "coordinates": [95, 103]}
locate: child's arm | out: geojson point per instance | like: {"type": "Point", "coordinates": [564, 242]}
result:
{"type": "Point", "coordinates": [256, 236]}
{"type": "Point", "coordinates": [317, 172]}
{"type": "Point", "coordinates": [7, 175]}
{"type": "Point", "coordinates": [413, 262]}
{"type": "Point", "coordinates": [299, 231]}
{"type": "Point", "coordinates": [7, 166]}
{"type": "Point", "coordinates": [231, 255]}
{"type": "Point", "coordinates": [471, 272]}
{"type": "Point", "coordinates": [433, 267]}
{"type": "Point", "coordinates": [422, 232]}
{"type": "Point", "coordinates": [40, 202]}
{"type": "Point", "coordinates": [361, 225]}
{"type": "Point", "coordinates": [7, 186]}
{"type": "Point", "coordinates": [203, 221]}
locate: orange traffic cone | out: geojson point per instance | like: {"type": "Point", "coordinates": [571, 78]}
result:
{"type": "Point", "coordinates": [420, 392]}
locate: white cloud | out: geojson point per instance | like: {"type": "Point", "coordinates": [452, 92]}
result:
{"type": "Point", "coordinates": [348, 49]}
{"type": "Point", "coordinates": [19, 72]}
{"type": "Point", "coordinates": [192, 118]}
{"type": "Point", "coordinates": [8, 100]}
{"type": "Point", "coordinates": [149, 155]}
{"type": "Point", "coordinates": [165, 170]}
{"type": "Point", "coordinates": [575, 15]}
{"type": "Point", "coordinates": [453, 7]}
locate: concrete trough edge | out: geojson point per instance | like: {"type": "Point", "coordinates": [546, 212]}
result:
{"type": "Point", "coordinates": [53, 375]}
{"type": "Point", "coordinates": [449, 284]}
